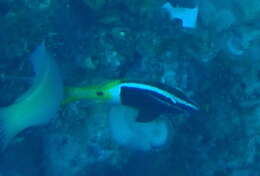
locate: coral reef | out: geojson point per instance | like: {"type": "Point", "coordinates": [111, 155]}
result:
{"type": "Point", "coordinates": [78, 147]}
{"type": "Point", "coordinates": [216, 63]}
{"type": "Point", "coordinates": [136, 135]}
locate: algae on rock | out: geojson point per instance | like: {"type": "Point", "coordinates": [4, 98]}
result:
{"type": "Point", "coordinates": [96, 4]}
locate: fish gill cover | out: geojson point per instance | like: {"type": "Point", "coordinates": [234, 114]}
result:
{"type": "Point", "coordinates": [215, 63]}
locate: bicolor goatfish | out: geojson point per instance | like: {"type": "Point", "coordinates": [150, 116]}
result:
{"type": "Point", "coordinates": [39, 104]}
{"type": "Point", "coordinates": [150, 101]}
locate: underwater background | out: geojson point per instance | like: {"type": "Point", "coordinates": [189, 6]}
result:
{"type": "Point", "coordinates": [215, 62]}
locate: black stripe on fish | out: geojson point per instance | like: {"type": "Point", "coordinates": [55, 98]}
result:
{"type": "Point", "coordinates": [176, 92]}
{"type": "Point", "coordinates": [149, 102]}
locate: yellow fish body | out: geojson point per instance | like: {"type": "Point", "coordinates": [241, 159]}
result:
{"type": "Point", "coordinates": [101, 93]}
{"type": "Point", "coordinates": [151, 101]}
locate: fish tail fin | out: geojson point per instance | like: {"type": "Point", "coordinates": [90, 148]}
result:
{"type": "Point", "coordinates": [69, 95]}
{"type": "Point", "coordinates": [7, 132]}
{"type": "Point", "coordinates": [3, 140]}
{"type": "Point", "coordinates": [73, 94]}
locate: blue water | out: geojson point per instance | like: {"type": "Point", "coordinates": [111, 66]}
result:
{"type": "Point", "coordinates": [215, 63]}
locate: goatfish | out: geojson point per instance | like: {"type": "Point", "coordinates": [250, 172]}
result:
{"type": "Point", "coordinates": [150, 101]}
{"type": "Point", "coordinates": [37, 105]}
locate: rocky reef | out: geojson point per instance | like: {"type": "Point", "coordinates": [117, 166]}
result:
{"type": "Point", "coordinates": [217, 64]}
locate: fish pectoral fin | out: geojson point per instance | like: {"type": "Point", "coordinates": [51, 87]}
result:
{"type": "Point", "coordinates": [147, 115]}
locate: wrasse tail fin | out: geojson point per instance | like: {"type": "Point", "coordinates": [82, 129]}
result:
{"type": "Point", "coordinates": [72, 94]}
{"type": "Point", "coordinates": [69, 96]}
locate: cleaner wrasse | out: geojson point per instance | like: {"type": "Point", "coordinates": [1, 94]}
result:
{"type": "Point", "coordinates": [151, 101]}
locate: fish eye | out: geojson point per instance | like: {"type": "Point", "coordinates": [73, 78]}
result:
{"type": "Point", "coordinates": [99, 93]}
